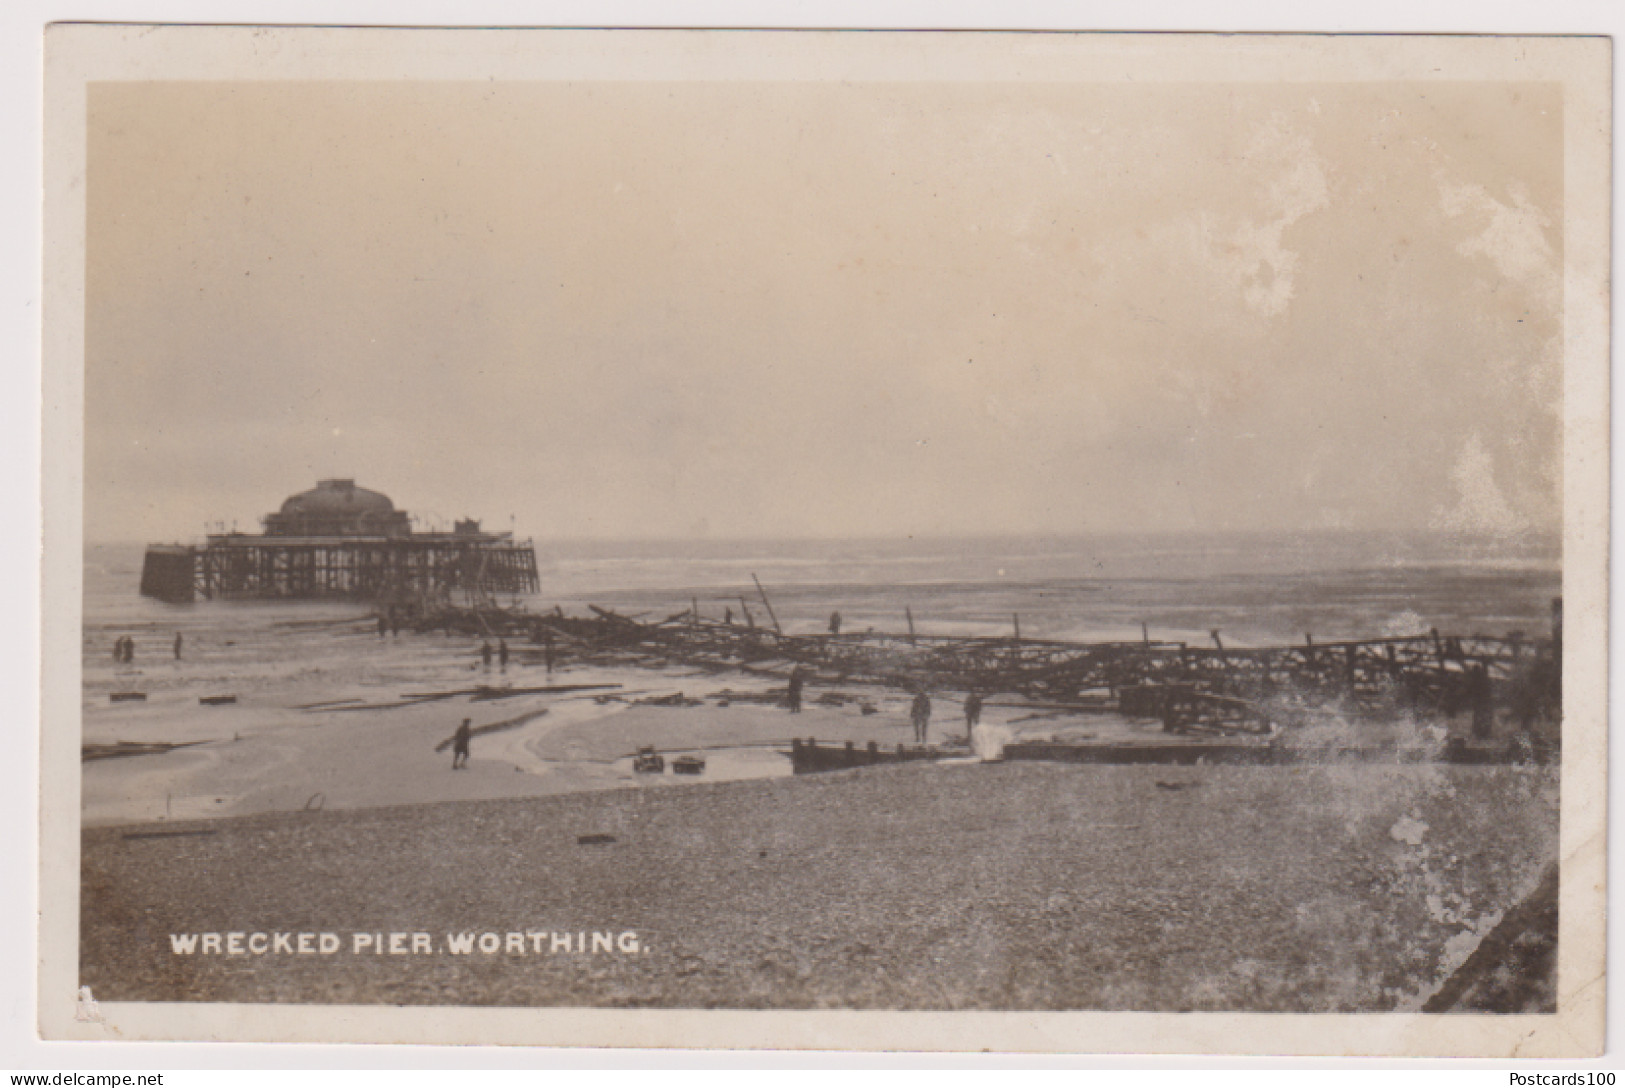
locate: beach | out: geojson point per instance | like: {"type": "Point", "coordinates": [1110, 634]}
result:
{"type": "Point", "coordinates": [308, 791]}
{"type": "Point", "coordinates": [937, 887]}
{"type": "Point", "coordinates": [248, 758]}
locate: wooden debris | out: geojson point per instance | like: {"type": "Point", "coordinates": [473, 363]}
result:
{"type": "Point", "coordinates": [493, 727]}
{"type": "Point", "coordinates": [728, 695]}
{"type": "Point", "coordinates": [389, 706]}
{"type": "Point", "coordinates": [90, 752]}
{"type": "Point", "coordinates": [678, 699]}
{"type": "Point", "coordinates": [1204, 688]}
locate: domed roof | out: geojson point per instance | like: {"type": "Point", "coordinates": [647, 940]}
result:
{"type": "Point", "coordinates": [337, 499]}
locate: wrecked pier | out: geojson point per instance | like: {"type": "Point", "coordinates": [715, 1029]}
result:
{"type": "Point", "coordinates": [1190, 688]}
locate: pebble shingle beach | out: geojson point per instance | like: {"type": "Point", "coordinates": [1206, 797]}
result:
{"type": "Point", "coordinates": [981, 886]}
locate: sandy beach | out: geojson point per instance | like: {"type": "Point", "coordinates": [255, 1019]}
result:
{"type": "Point", "coordinates": [354, 731]}
{"type": "Point", "coordinates": [265, 754]}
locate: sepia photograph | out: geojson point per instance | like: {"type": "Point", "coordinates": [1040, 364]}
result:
{"type": "Point", "coordinates": [652, 525]}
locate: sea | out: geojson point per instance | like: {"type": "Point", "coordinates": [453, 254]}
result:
{"type": "Point", "coordinates": [1252, 589]}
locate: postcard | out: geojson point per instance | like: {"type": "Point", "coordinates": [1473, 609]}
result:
{"type": "Point", "coordinates": [816, 539]}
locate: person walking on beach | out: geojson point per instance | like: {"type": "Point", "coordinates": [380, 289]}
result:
{"type": "Point", "coordinates": [179, 641]}
{"type": "Point", "coordinates": [1480, 697]}
{"type": "Point", "coordinates": [383, 625]}
{"type": "Point", "coordinates": [129, 650]}
{"type": "Point", "coordinates": [921, 713]}
{"type": "Point", "coordinates": [459, 745]}
{"type": "Point", "coordinates": [485, 653]}
{"type": "Point", "coordinates": [834, 623]}
{"type": "Point", "coordinates": [547, 650]}
{"type": "Point", "coordinates": [796, 682]}
{"type": "Point", "coordinates": [502, 653]}
{"type": "Point", "coordinates": [973, 715]}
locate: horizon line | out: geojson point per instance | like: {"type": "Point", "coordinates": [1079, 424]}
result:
{"type": "Point", "coordinates": [1524, 534]}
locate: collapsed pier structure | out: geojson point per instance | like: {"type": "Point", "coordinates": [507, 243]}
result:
{"type": "Point", "coordinates": [1192, 689]}
{"type": "Point", "coordinates": [342, 541]}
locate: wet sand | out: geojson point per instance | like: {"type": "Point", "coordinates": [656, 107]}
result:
{"type": "Point", "coordinates": [265, 754]}
{"type": "Point", "coordinates": [262, 754]}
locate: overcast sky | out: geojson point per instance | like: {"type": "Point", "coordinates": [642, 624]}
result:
{"type": "Point", "coordinates": [819, 309]}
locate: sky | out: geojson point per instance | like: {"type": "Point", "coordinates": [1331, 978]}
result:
{"type": "Point", "coordinates": [823, 309]}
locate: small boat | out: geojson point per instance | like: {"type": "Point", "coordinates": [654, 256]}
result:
{"type": "Point", "coordinates": [127, 696]}
{"type": "Point", "coordinates": [648, 761]}
{"type": "Point", "coordinates": [808, 756]}
{"type": "Point", "coordinates": [217, 700]}
{"type": "Point", "coordinates": [688, 765]}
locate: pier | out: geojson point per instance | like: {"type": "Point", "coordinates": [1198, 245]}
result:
{"type": "Point", "coordinates": [341, 541]}
{"type": "Point", "coordinates": [1192, 689]}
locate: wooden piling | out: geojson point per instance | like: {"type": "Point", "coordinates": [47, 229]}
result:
{"type": "Point", "coordinates": [766, 603]}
